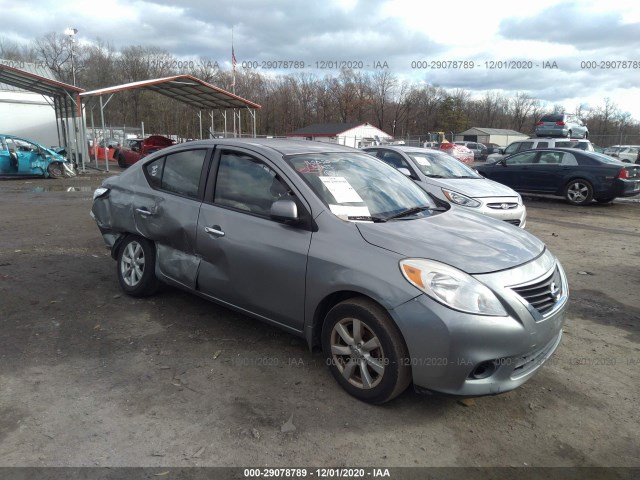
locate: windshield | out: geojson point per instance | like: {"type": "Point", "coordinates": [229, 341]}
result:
{"type": "Point", "coordinates": [357, 187]}
{"type": "Point", "coordinates": [441, 165]}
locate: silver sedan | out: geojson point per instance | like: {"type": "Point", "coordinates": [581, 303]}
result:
{"type": "Point", "coordinates": [346, 252]}
{"type": "Point", "coordinates": [454, 182]}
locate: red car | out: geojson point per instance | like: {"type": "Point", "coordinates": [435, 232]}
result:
{"type": "Point", "coordinates": [459, 152]}
{"type": "Point", "coordinates": [136, 148]}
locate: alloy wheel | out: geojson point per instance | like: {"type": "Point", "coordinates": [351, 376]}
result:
{"type": "Point", "coordinates": [132, 264]}
{"type": "Point", "coordinates": [357, 353]}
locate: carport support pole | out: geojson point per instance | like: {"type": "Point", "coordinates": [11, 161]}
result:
{"type": "Point", "coordinates": [211, 115]}
{"type": "Point", "coordinates": [200, 118]}
{"type": "Point", "coordinates": [93, 141]}
{"type": "Point", "coordinates": [104, 135]}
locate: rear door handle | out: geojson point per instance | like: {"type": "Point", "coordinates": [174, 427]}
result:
{"type": "Point", "coordinates": [214, 231]}
{"type": "Point", "coordinates": [143, 211]}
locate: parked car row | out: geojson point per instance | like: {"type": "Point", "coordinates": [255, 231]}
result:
{"type": "Point", "coordinates": [335, 246]}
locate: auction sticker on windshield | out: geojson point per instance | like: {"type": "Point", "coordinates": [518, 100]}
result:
{"type": "Point", "coordinates": [422, 161]}
{"type": "Point", "coordinates": [341, 189]}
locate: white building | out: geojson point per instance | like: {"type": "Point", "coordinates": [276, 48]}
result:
{"type": "Point", "coordinates": [355, 135]}
{"type": "Point", "coordinates": [501, 136]}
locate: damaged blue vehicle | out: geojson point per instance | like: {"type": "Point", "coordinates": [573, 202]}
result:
{"type": "Point", "coordinates": [25, 158]}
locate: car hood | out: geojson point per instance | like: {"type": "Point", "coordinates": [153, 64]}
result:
{"type": "Point", "coordinates": [469, 241]}
{"type": "Point", "coordinates": [157, 141]}
{"type": "Point", "coordinates": [474, 187]}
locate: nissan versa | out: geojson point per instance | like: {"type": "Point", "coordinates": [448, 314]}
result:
{"type": "Point", "coordinates": [345, 251]}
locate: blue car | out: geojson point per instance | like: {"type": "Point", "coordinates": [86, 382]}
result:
{"type": "Point", "coordinates": [579, 176]}
{"type": "Point", "coordinates": [22, 157]}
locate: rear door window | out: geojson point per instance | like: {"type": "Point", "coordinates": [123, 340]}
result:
{"type": "Point", "coordinates": [178, 173]}
{"type": "Point", "coordinates": [525, 146]}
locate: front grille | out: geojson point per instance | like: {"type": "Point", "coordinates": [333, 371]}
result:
{"type": "Point", "coordinates": [503, 205]}
{"type": "Point", "coordinates": [543, 294]}
{"type": "Point", "coordinates": [513, 222]}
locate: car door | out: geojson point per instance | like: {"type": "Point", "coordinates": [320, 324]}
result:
{"type": "Point", "coordinates": [249, 260]}
{"type": "Point", "coordinates": [167, 211]}
{"type": "Point", "coordinates": [514, 170]}
{"type": "Point", "coordinates": [546, 174]}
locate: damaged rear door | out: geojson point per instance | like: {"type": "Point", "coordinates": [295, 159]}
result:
{"type": "Point", "coordinates": [167, 213]}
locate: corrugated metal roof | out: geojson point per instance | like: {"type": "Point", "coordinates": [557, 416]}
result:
{"type": "Point", "coordinates": [184, 88]}
{"type": "Point", "coordinates": [64, 95]}
{"type": "Point", "coordinates": [320, 129]}
{"type": "Point", "coordinates": [38, 69]}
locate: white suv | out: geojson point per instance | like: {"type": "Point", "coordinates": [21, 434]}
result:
{"type": "Point", "coordinates": [547, 142]}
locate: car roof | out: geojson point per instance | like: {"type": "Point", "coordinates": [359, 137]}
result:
{"type": "Point", "coordinates": [280, 145]}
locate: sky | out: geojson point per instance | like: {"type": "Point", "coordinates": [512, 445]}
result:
{"type": "Point", "coordinates": [562, 52]}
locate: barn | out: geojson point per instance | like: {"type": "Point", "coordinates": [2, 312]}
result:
{"type": "Point", "coordinates": [357, 135]}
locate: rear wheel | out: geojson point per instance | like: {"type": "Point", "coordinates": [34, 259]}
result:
{"type": "Point", "coordinates": [55, 170]}
{"type": "Point", "coordinates": [570, 134]}
{"type": "Point", "coordinates": [579, 192]}
{"type": "Point", "coordinates": [136, 267]}
{"type": "Point", "coordinates": [365, 351]}
{"type": "Point", "coordinates": [121, 162]}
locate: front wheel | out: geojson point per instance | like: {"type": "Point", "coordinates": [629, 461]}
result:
{"type": "Point", "coordinates": [365, 351]}
{"type": "Point", "coordinates": [121, 162]}
{"type": "Point", "coordinates": [136, 267]}
{"type": "Point", "coordinates": [55, 170]}
{"type": "Point", "coordinates": [579, 192]}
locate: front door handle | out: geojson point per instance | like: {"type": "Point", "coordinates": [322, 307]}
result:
{"type": "Point", "coordinates": [215, 230]}
{"type": "Point", "coordinates": [143, 211]}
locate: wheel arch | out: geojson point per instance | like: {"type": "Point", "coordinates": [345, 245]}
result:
{"type": "Point", "coordinates": [327, 303]}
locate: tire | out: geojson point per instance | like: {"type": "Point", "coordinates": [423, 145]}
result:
{"type": "Point", "coordinates": [381, 370]}
{"type": "Point", "coordinates": [569, 134]}
{"type": "Point", "coordinates": [586, 135]}
{"type": "Point", "coordinates": [578, 192]}
{"type": "Point", "coordinates": [135, 267]}
{"type": "Point", "coordinates": [605, 199]}
{"type": "Point", "coordinates": [121, 162]}
{"type": "Point", "coordinates": [55, 170]}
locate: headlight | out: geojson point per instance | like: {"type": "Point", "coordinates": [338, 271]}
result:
{"type": "Point", "coordinates": [99, 192]}
{"type": "Point", "coordinates": [460, 199]}
{"type": "Point", "coordinates": [451, 286]}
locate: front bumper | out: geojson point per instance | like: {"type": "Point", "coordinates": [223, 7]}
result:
{"type": "Point", "coordinates": [471, 355]}
{"type": "Point", "coordinates": [515, 213]}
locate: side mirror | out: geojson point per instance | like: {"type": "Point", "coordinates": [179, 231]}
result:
{"type": "Point", "coordinates": [501, 151]}
{"type": "Point", "coordinates": [404, 171]}
{"type": "Point", "coordinates": [284, 211]}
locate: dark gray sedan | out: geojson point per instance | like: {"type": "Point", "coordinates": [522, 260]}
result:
{"type": "Point", "coordinates": [346, 252]}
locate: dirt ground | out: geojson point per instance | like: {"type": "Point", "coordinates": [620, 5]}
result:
{"type": "Point", "coordinates": [92, 377]}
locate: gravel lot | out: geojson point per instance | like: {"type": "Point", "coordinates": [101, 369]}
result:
{"type": "Point", "coordinates": [91, 377]}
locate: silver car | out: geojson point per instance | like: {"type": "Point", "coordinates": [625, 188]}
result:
{"type": "Point", "coordinates": [561, 125]}
{"type": "Point", "coordinates": [454, 182]}
{"type": "Point", "coordinates": [346, 252]}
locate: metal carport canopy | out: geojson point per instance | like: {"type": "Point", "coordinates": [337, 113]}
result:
{"type": "Point", "coordinates": [64, 95]}
{"type": "Point", "coordinates": [183, 88]}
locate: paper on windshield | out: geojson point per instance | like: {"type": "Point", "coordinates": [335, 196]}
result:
{"type": "Point", "coordinates": [347, 212]}
{"type": "Point", "coordinates": [341, 189]}
{"type": "Point", "coordinates": [422, 161]}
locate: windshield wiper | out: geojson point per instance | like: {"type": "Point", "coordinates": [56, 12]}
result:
{"type": "Point", "coordinates": [436, 176]}
{"type": "Point", "coordinates": [412, 211]}
{"type": "Point", "coordinates": [366, 218]}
